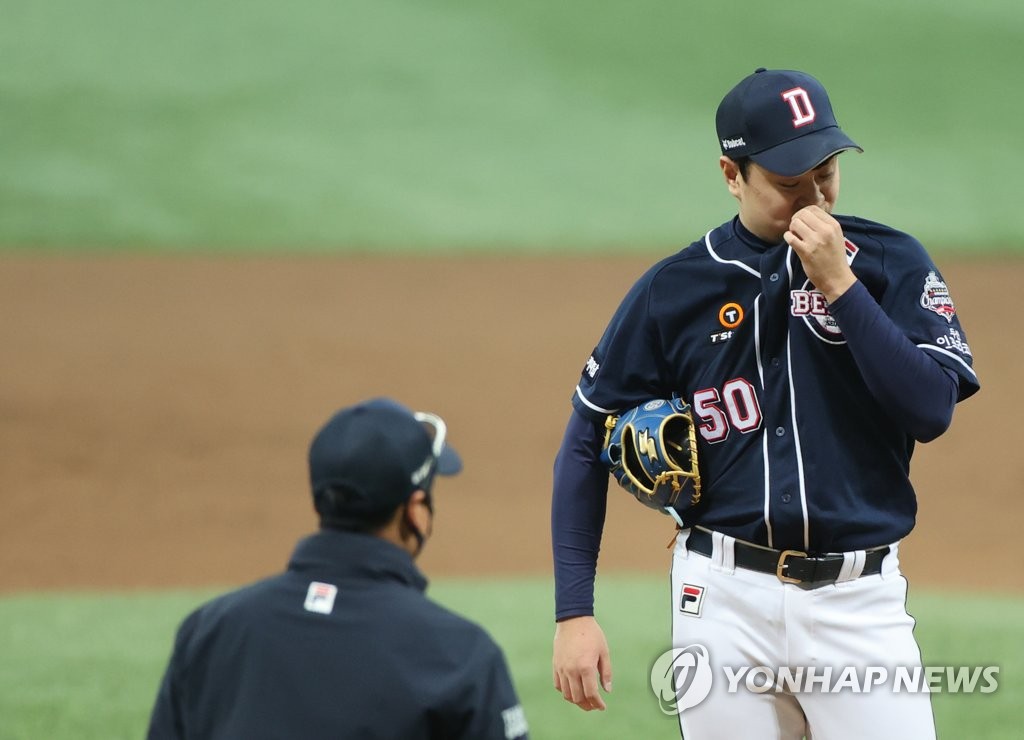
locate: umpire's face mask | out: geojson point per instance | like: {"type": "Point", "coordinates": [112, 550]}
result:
{"type": "Point", "coordinates": [409, 520]}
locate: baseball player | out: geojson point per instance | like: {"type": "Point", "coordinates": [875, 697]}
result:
{"type": "Point", "coordinates": [344, 644]}
{"type": "Point", "coordinates": [815, 350]}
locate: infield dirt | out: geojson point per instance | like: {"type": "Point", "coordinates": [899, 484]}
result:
{"type": "Point", "coordinates": [155, 412]}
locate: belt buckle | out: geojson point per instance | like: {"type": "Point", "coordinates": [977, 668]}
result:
{"type": "Point", "coordinates": [781, 567]}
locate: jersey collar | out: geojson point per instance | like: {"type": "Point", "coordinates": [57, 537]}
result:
{"type": "Point", "coordinates": [333, 553]}
{"type": "Point", "coordinates": [747, 237]}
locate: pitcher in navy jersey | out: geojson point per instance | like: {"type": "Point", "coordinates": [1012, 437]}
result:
{"type": "Point", "coordinates": [816, 350]}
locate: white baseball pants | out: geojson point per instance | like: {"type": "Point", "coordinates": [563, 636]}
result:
{"type": "Point", "coordinates": [770, 643]}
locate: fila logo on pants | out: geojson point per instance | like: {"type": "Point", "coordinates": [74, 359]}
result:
{"type": "Point", "coordinates": [691, 599]}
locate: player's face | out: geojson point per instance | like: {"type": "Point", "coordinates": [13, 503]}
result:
{"type": "Point", "coordinates": [769, 201]}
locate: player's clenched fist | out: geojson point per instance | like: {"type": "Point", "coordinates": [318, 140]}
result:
{"type": "Point", "coordinates": [817, 238]}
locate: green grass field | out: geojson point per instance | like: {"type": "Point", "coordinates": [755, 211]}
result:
{"type": "Point", "coordinates": [408, 124]}
{"type": "Point", "coordinates": [86, 666]}
{"type": "Point", "coordinates": [438, 124]}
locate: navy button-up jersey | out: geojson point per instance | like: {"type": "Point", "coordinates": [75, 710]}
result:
{"type": "Point", "coordinates": [795, 451]}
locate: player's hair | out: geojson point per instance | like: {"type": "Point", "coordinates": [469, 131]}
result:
{"type": "Point", "coordinates": [743, 165]}
{"type": "Point", "coordinates": [330, 503]}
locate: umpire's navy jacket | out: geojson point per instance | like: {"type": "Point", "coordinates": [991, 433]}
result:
{"type": "Point", "coordinates": [344, 644]}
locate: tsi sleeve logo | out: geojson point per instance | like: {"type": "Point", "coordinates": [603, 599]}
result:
{"type": "Point", "coordinates": [681, 678]}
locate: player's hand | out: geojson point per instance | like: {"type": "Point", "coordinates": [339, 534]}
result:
{"type": "Point", "coordinates": [817, 238]}
{"type": "Point", "coordinates": [581, 661]}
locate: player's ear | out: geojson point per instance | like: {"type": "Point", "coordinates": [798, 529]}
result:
{"type": "Point", "coordinates": [732, 174]}
{"type": "Point", "coordinates": [420, 511]}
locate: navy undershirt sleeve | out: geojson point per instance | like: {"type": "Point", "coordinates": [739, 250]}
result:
{"type": "Point", "coordinates": [578, 503]}
{"type": "Point", "coordinates": [918, 391]}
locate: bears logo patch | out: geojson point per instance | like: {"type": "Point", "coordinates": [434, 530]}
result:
{"type": "Point", "coordinates": [810, 305]}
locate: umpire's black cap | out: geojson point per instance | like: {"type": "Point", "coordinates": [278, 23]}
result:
{"type": "Point", "coordinates": [782, 120]}
{"type": "Point", "coordinates": [372, 456]}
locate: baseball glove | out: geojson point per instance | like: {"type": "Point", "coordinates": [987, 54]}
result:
{"type": "Point", "coordinates": [652, 452]}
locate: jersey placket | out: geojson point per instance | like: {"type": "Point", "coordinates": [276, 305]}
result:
{"type": "Point", "coordinates": [785, 503]}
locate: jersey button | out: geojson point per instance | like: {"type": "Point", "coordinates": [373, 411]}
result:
{"type": "Point", "coordinates": [775, 362]}
{"type": "Point", "coordinates": [780, 431]}
{"type": "Point", "coordinates": [774, 277]}
{"type": "Point", "coordinates": [786, 498]}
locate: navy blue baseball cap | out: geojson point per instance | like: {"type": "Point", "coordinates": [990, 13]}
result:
{"type": "Point", "coordinates": [375, 455]}
{"type": "Point", "coordinates": [782, 120]}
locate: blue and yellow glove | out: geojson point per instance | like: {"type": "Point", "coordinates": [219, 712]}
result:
{"type": "Point", "coordinates": [651, 450]}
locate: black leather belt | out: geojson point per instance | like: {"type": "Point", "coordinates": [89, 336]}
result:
{"type": "Point", "coordinates": [791, 566]}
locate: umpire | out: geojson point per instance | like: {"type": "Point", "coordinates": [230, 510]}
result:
{"type": "Point", "coordinates": [344, 643]}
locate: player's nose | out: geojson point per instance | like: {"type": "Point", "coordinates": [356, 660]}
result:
{"type": "Point", "coordinates": [810, 194]}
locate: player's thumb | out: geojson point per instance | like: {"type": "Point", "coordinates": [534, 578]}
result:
{"type": "Point", "coordinates": [604, 667]}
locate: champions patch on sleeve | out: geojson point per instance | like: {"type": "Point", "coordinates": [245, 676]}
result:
{"type": "Point", "coordinates": [935, 297]}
